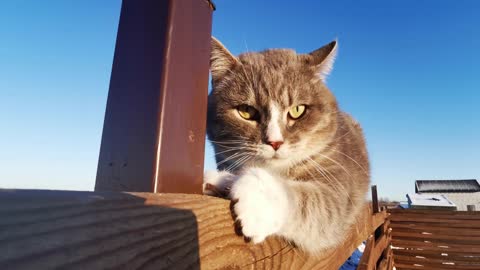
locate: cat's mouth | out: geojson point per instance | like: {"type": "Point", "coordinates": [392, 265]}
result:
{"type": "Point", "coordinates": [278, 156]}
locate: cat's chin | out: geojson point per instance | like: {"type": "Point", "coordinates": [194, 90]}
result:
{"type": "Point", "coordinates": [277, 163]}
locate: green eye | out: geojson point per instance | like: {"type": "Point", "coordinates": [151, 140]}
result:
{"type": "Point", "coordinates": [296, 111]}
{"type": "Point", "coordinates": [247, 112]}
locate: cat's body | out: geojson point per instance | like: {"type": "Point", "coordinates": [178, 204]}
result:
{"type": "Point", "coordinates": [297, 165]}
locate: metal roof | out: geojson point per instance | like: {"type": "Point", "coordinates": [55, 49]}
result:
{"type": "Point", "coordinates": [428, 200]}
{"type": "Point", "coordinates": [468, 185]}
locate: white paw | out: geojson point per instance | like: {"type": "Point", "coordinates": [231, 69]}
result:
{"type": "Point", "coordinates": [217, 183]}
{"type": "Point", "coordinates": [262, 207]}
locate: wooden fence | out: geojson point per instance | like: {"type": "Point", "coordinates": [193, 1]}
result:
{"type": "Point", "coordinates": [378, 252]}
{"type": "Point", "coordinates": [435, 239]}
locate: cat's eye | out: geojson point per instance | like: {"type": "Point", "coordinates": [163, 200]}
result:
{"type": "Point", "coordinates": [247, 112]}
{"type": "Point", "coordinates": [296, 111]}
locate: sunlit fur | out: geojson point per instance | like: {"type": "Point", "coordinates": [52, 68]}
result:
{"type": "Point", "coordinates": [322, 165]}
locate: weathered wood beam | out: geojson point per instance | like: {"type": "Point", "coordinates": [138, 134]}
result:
{"type": "Point", "coordinates": [154, 129]}
{"type": "Point", "coordinates": [103, 230]}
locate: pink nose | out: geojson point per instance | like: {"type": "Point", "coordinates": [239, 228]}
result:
{"type": "Point", "coordinates": [275, 145]}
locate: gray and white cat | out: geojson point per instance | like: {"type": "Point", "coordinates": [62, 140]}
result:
{"type": "Point", "coordinates": [294, 164]}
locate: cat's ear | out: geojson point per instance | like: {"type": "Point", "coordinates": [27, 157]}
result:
{"type": "Point", "coordinates": [221, 60]}
{"type": "Point", "coordinates": [324, 58]}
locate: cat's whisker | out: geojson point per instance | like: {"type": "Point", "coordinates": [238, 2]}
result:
{"type": "Point", "coordinates": [253, 81]}
{"type": "Point", "coordinates": [336, 162]}
{"type": "Point", "coordinates": [319, 169]}
{"type": "Point", "coordinates": [333, 181]}
{"type": "Point", "coordinates": [332, 184]}
{"type": "Point", "coordinates": [228, 142]}
{"type": "Point", "coordinates": [230, 150]}
{"type": "Point", "coordinates": [237, 146]}
{"type": "Point", "coordinates": [349, 157]}
{"type": "Point", "coordinates": [235, 155]}
{"type": "Point", "coordinates": [238, 163]}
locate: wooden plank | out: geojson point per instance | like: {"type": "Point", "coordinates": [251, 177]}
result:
{"type": "Point", "coordinates": [456, 256]}
{"type": "Point", "coordinates": [433, 212]}
{"type": "Point", "coordinates": [429, 219]}
{"type": "Point", "coordinates": [460, 225]}
{"type": "Point", "coordinates": [471, 240]}
{"type": "Point", "coordinates": [434, 230]}
{"type": "Point", "coordinates": [436, 262]}
{"type": "Point", "coordinates": [100, 230]}
{"type": "Point", "coordinates": [378, 219]}
{"type": "Point", "coordinates": [373, 251]}
{"type": "Point", "coordinates": [407, 266]}
{"type": "Point", "coordinates": [391, 261]}
{"type": "Point", "coordinates": [365, 261]}
{"type": "Point", "coordinates": [154, 129]}
{"type": "Point", "coordinates": [411, 243]}
{"type": "Point", "coordinates": [429, 211]}
{"type": "Point", "coordinates": [437, 216]}
{"type": "Point", "coordinates": [444, 260]}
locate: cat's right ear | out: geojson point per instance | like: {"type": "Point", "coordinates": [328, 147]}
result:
{"type": "Point", "coordinates": [324, 58]}
{"type": "Point", "coordinates": [221, 60]}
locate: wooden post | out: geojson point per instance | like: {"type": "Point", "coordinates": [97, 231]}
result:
{"type": "Point", "coordinates": [375, 199]}
{"type": "Point", "coordinates": [154, 130]}
{"type": "Point", "coordinates": [471, 207]}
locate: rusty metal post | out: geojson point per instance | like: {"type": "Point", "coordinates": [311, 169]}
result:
{"type": "Point", "coordinates": [154, 130]}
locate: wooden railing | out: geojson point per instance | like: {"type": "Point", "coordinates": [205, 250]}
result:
{"type": "Point", "coordinates": [378, 252]}
{"type": "Point", "coordinates": [105, 230]}
{"type": "Point", "coordinates": [435, 239]}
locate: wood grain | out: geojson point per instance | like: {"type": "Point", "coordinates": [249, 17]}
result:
{"type": "Point", "coordinates": [105, 230]}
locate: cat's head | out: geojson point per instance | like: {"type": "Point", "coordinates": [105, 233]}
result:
{"type": "Point", "coordinates": [270, 108]}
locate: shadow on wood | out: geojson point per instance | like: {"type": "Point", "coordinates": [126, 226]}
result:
{"type": "Point", "coordinates": [84, 230]}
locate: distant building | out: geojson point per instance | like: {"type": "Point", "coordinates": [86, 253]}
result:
{"type": "Point", "coordinates": [445, 194]}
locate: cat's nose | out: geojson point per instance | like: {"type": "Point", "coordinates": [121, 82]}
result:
{"type": "Point", "coordinates": [275, 145]}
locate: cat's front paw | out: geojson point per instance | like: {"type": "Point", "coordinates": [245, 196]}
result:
{"type": "Point", "coordinates": [217, 183]}
{"type": "Point", "coordinates": [260, 204]}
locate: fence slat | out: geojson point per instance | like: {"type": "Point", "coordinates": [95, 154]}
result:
{"type": "Point", "coordinates": [457, 256]}
{"type": "Point", "coordinates": [434, 220]}
{"type": "Point", "coordinates": [398, 227]}
{"type": "Point", "coordinates": [447, 264]}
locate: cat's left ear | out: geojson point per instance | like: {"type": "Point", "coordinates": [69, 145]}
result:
{"type": "Point", "coordinates": [324, 58]}
{"type": "Point", "coordinates": [221, 60]}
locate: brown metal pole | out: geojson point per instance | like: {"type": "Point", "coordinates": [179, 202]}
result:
{"type": "Point", "coordinates": [154, 130]}
{"type": "Point", "coordinates": [375, 199]}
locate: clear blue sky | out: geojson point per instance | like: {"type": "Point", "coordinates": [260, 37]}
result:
{"type": "Point", "coordinates": [409, 71]}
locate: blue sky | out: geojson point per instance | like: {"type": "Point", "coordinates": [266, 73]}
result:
{"type": "Point", "coordinates": [407, 70]}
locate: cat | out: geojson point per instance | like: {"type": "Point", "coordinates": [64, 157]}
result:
{"type": "Point", "coordinates": [294, 165]}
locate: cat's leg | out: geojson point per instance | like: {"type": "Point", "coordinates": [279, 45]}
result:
{"type": "Point", "coordinates": [218, 183]}
{"type": "Point", "coordinates": [262, 204]}
{"type": "Point", "coordinates": [303, 212]}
